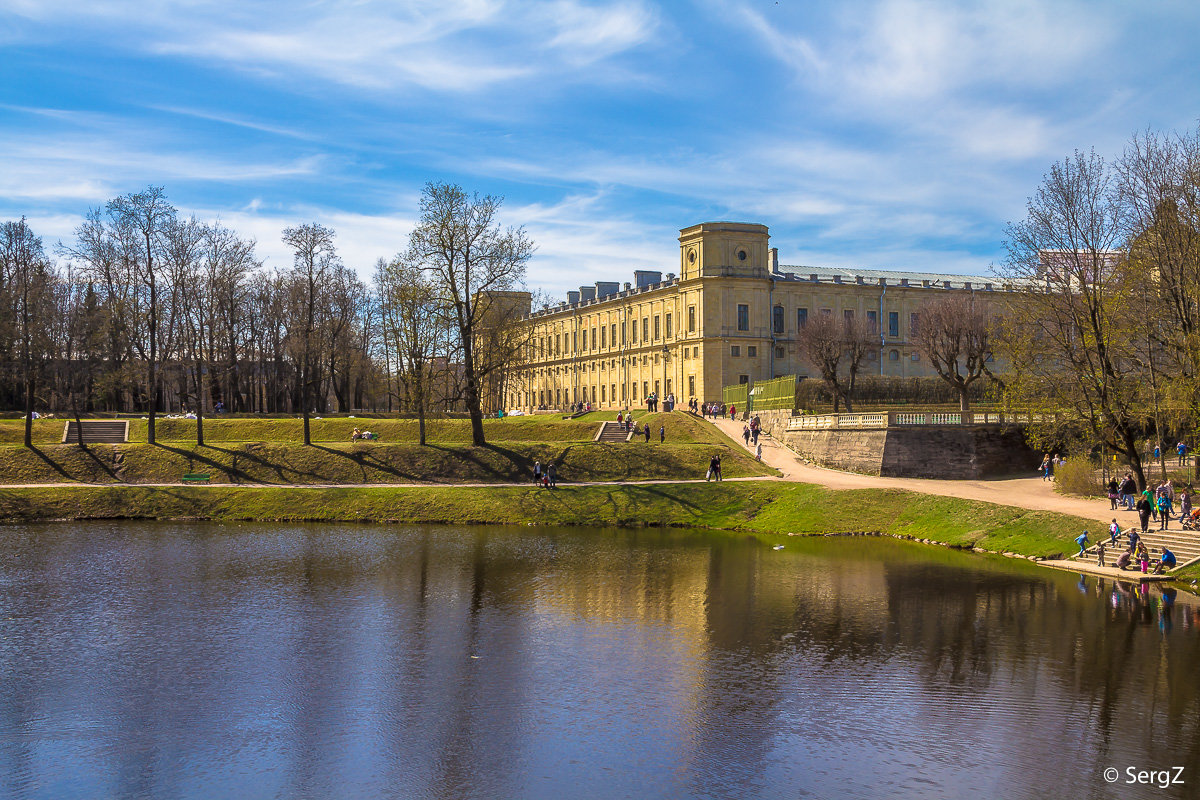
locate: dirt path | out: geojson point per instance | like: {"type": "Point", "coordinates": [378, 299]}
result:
{"type": "Point", "coordinates": [1032, 492]}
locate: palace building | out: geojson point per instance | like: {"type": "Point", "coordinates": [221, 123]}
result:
{"type": "Point", "coordinates": [730, 314]}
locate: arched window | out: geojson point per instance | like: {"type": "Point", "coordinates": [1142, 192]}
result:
{"type": "Point", "coordinates": [894, 355]}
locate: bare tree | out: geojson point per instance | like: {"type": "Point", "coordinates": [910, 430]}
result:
{"type": "Point", "coordinates": [314, 256]}
{"type": "Point", "coordinates": [1069, 330]}
{"type": "Point", "coordinates": [142, 220]}
{"type": "Point", "coordinates": [837, 348]}
{"type": "Point", "coordinates": [953, 335]}
{"type": "Point", "coordinates": [413, 321]}
{"type": "Point", "coordinates": [29, 275]}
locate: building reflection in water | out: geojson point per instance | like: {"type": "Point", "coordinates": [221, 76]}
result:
{"type": "Point", "coordinates": [319, 661]}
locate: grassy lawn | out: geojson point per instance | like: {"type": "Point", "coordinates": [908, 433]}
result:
{"type": "Point", "coordinates": [681, 428]}
{"type": "Point", "coordinates": [769, 509]}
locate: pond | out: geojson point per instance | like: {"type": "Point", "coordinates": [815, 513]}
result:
{"type": "Point", "coordinates": [196, 660]}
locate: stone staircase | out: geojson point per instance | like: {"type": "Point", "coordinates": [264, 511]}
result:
{"type": "Point", "coordinates": [612, 432]}
{"type": "Point", "coordinates": [98, 431]}
{"type": "Point", "coordinates": [1184, 544]}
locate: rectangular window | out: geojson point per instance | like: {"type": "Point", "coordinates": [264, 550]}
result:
{"type": "Point", "coordinates": [752, 352]}
{"type": "Point", "coordinates": [777, 319]}
{"type": "Point", "coordinates": [645, 329]}
{"type": "Point", "coordinates": [801, 318]}
{"type": "Point", "coordinates": [585, 340]}
{"type": "Point", "coordinates": [691, 319]}
{"type": "Point", "coordinates": [645, 389]}
{"type": "Point", "coordinates": [604, 337]}
{"type": "Point", "coordinates": [779, 352]}
{"type": "Point", "coordinates": [595, 341]}
{"type": "Point", "coordinates": [894, 324]}
{"type": "Point", "coordinates": [574, 341]}
{"type": "Point", "coordinates": [633, 335]}
{"type": "Point", "coordinates": [873, 321]}
{"type": "Point", "coordinates": [602, 394]}
{"type": "Point", "coordinates": [743, 378]}
{"type": "Point", "coordinates": [624, 326]}
{"type": "Point", "coordinates": [691, 385]}
{"type": "Point", "coordinates": [668, 324]}
{"type": "Point", "coordinates": [695, 352]}
{"type": "Point", "coordinates": [614, 341]}
{"type": "Point", "coordinates": [743, 317]}
{"type": "Point", "coordinates": [657, 327]}
{"type": "Point", "coordinates": [912, 324]}
{"type": "Point", "coordinates": [848, 316]}
{"type": "Point", "coordinates": [735, 351]}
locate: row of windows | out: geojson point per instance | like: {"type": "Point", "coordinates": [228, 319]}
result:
{"type": "Point", "coordinates": [600, 337]}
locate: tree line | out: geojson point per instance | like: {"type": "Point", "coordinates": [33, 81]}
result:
{"type": "Point", "coordinates": [149, 311]}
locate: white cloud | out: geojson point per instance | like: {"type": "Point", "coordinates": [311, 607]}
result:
{"type": "Point", "coordinates": [372, 44]}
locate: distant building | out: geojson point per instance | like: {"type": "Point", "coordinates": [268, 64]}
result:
{"type": "Point", "coordinates": [730, 315]}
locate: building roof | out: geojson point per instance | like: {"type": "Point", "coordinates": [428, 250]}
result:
{"type": "Point", "coordinates": [893, 277]}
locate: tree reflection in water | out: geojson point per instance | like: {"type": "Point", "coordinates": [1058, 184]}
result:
{"type": "Point", "coordinates": [194, 660]}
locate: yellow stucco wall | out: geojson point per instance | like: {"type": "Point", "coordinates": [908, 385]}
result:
{"type": "Point", "coordinates": [614, 351]}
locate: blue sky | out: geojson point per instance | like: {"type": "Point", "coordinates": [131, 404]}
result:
{"type": "Point", "coordinates": [889, 134]}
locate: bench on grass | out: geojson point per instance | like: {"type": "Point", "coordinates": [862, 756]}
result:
{"type": "Point", "coordinates": [196, 477]}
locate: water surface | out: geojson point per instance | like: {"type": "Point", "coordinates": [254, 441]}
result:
{"type": "Point", "coordinates": [265, 661]}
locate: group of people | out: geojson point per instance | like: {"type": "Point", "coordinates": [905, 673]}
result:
{"type": "Point", "coordinates": [545, 476]}
{"type": "Point", "coordinates": [713, 410]}
{"type": "Point", "coordinates": [1135, 551]}
{"type": "Point", "coordinates": [1049, 466]}
{"type": "Point", "coordinates": [750, 434]}
{"type": "Point", "coordinates": [1156, 503]}
{"type": "Point", "coordinates": [359, 434]}
{"type": "Point", "coordinates": [667, 405]}
{"type": "Point", "coordinates": [644, 430]}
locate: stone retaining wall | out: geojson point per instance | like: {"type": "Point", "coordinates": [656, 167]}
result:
{"type": "Point", "coordinates": [975, 451]}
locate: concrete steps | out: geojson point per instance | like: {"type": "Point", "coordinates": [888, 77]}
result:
{"type": "Point", "coordinates": [1184, 544]}
{"type": "Point", "coordinates": [612, 432]}
{"type": "Point", "coordinates": [98, 431]}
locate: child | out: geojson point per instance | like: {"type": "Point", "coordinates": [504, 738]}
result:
{"type": "Point", "coordinates": [1100, 555]}
{"type": "Point", "coordinates": [1082, 541]}
{"type": "Point", "coordinates": [1114, 530]}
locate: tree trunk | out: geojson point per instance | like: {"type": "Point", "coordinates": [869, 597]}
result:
{"type": "Point", "coordinates": [29, 387]}
{"type": "Point", "coordinates": [964, 400]}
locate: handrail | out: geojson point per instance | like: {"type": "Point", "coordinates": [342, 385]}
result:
{"type": "Point", "coordinates": [900, 419]}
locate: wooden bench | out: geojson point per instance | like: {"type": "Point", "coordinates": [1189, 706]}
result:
{"type": "Point", "coordinates": [97, 431]}
{"type": "Point", "coordinates": [196, 477]}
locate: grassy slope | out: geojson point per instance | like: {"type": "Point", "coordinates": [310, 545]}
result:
{"type": "Point", "coordinates": [766, 508]}
{"type": "Point", "coordinates": [540, 428]}
{"type": "Point", "coordinates": [368, 462]}
{"type": "Point", "coordinates": [448, 458]}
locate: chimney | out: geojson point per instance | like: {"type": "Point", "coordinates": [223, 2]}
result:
{"type": "Point", "coordinates": [646, 277]}
{"type": "Point", "coordinates": [572, 297]}
{"type": "Point", "coordinates": [774, 259]}
{"type": "Point", "coordinates": [606, 288]}
{"type": "Point", "coordinates": [587, 293]}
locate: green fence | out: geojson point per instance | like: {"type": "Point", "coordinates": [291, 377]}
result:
{"type": "Point", "coordinates": [779, 393]}
{"type": "Point", "coordinates": [773, 395]}
{"type": "Point", "coordinates": [734, 395]}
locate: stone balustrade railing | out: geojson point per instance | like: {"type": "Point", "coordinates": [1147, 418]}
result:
{"type": "Point", "coordinates": [900, 419]}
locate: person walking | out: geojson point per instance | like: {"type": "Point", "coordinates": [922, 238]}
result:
{"type": "Point", "coordinates": [552, 474]}
{"type": "Point", "coordinates": [1127, 491]}
{"type": "Point", "coordinates": [758, 451]}
{"type": "Point", "coordinates": [1082, 541]}
{"type": "Point", "coordinates": [1164, 510]}
{"type": "Point", "coordinates": [1114, 530]}
{"type": "Point", "coordinates": [1113, 493]}
{"type": "Point", "coordinates": [1181, 449]}
{"type": "Point", "coordinates": [1143, 509]}
{"type": "Point", "coordinates": [537, 472]}
{"type": "Point", "coordinates": [1045, 467]}
{"type": "Point", "coordinates": [646, 431]}
{"type": "Point", "coordinates": [719, 467]}
{"type": "Point", "coordinates": [746, 434]}
{"type": "Point", "coordinates": [662, 433]}
{"type": "Point", "coordinates": [714, 465]}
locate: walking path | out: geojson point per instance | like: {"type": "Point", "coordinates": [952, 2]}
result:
{"type": "Point", "coordinates": [1030, 493]}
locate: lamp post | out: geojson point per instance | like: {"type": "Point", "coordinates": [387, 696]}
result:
{"type": "Point", "coordinates": [666, 352]}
